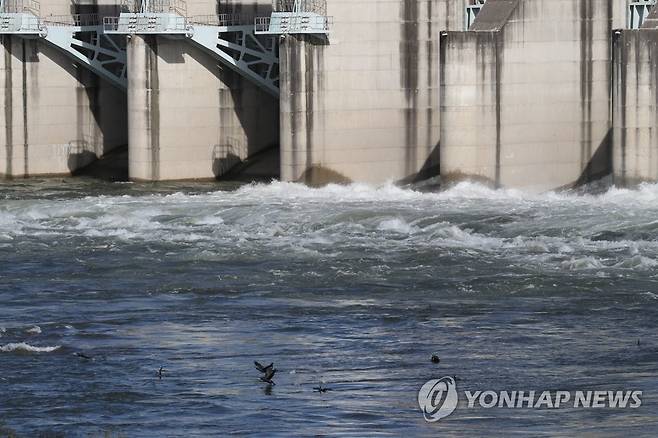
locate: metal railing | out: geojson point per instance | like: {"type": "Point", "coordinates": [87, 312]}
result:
{"type": "Point", "coordinates": [20, 23]}
{"type": "Point", "coordinates": [136, 23]}
{"type": "Point", "coordinates": [638, 11]}
{"type": "Point", "coordinates": [110, 24]}
{"type": "Point", "coordinates": [295, 24]}
{"type": "Point", "coordinates": [77, 20]}
{"type": "Point", "coordinates": [262, 24]}
{"type": "Point", "coordinates": [222, 20]}
{"type": "Point", "coordinates": [155, 6]}
{"type": "Point", "coordinates": [472, 10]}
{"type": "Point", "coordinates": [228, 155]}
{"type": "Point", "coordinates": [315, 6]}
{"type": "Point", "coordinates": [21, 6]}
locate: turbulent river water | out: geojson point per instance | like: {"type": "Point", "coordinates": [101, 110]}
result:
{"type": "Point", "coordinates": [353, 287]}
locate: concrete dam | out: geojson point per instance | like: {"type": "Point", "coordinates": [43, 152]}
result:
{"type": "Point", "coordinates": [535, 94]}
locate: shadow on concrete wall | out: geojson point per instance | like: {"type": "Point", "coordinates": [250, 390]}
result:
{"type": "Point", "coordinates": [263, 165]}
{"type": "Point", "coordinates": [244, 8]}
{"type": "Point", "coordinates": [245, 98]}
{"type": "Point", "coordinates": [107, 105]}
{"type": "Point", "coordinates": [79, 160]}
{"type": "Point", "coordinates": [600, 165]}
{"type": "Point", "coordinates": [430, 168]}
{"type": "Point", "coordinates": [111, 167]}
{"type": "Point", "coordinates": [94, 8]}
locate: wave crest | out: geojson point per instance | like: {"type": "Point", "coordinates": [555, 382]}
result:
{"type": "Point", "coordinates": [24, 347]}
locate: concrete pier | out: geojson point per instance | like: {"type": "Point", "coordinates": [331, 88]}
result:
{"type": "Point", "coordinates": [525, 94]}
{"type": "Point", "coordinates": [56, 117]}
{"type": "Point", "coordinates": [634, 104]}
{"type": "Point", "coordinates": [191, 117]}
{"type": "Point", "coordinates": [363, 106]}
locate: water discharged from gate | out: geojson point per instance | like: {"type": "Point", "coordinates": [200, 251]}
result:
{"type": "Point", "coordinates": [355, 286]}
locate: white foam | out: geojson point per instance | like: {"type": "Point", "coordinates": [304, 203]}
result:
{"type": "Point", "coordinates": [637, 262]}
{"type": "Point", "coordinates": [562, 230]}
{"type": "Point", "coordinates": [22, 346]}
{"type": "Point", "coordinates": [34, 330]}
{"type": "Point", "coordinates": [582, 263]}
{"type": "Point", "coordinates": [396, 225]}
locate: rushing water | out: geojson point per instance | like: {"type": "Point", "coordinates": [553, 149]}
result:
{"type": "Point", "coordinates": [354, 286]}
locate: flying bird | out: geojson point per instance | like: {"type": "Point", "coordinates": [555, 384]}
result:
{"type": "Point", "coordinates": [263, 369]}
{"type": "Point", "coordinates": [267, 378]}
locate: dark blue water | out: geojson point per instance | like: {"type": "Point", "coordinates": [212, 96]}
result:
{"type": "Point", "coordinates": [350, 287]}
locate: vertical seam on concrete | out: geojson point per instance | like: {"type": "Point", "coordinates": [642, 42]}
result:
{"type": "Point", "coordinates": [638, 69]}
{"type": "Point", "coordinates": [623, 71]}
{"type": "Point", "coordinates": [586, 77]}
{"type": "Point", "coordinates": [409, 77]}
{"type": "Point", "coordinates": [25, 121]}
{"type": "Point", "coordinates": [430, 91]}
{"type": "Point", "coordinates": [654, 66]}
{"type": "Point", "coordinates": [9, 110]}
{"type": "Point", "coordinates": [319, 97]}
{"type": "Point", "coordinates": [440, 97]}
{"type": "Point", "coordinates": [497, 55]}
{"type": "Point", "coordinates": [79, 117]}
{"type": "Point", "coordinates": [293, 47]}
{"type": "Point", "coordinates": [310, 88]}
{"type": "Point", "coordinates": [153, 87]}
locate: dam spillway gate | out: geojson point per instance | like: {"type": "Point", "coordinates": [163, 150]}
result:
{"type": "Point", "coordinates": [246, 45]}
{"type": "Point", "coordinates": [80, 36]}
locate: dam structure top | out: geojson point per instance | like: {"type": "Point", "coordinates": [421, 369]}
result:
{"type": "Point", "coordinates": [80, 36]}
{"type": "Point", "coordinates": [247, 45]}
{"type": "Point", "coordinates": [296, 17]}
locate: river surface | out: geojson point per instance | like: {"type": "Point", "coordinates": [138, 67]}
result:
{"type": "Point", "coordinates": [352, 287]}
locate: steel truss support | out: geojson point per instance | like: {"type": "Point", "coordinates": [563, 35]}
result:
{"type": "Point", "coordinates": [81, 37]}
{"type": "Point", "coordinates": [85, 42]}
{"type": "Point", "coordinates": [225, 37]}
{"type": "Point", "coordinates": [237, 46]}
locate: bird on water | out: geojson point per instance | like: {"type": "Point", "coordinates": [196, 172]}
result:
{"type": "Point", "coordinates": [435, 359]}
{"type": "Point", "coordinates": [161, 372]}
{"type": "Point", "coordinates": [267, 378]}
{"type": "Point", "coordinates": [321, 388]}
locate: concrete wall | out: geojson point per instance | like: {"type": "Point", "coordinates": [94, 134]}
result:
{"type": "Point", "coordinates": [55, 116]}
{"type": "Point", "coordinates": [364, 106]}
{"type": "Point", "coordinates": [190, 117]}
{"type": "Point", "coordinates": [620, 13]}
{"type": "Point", "coordinates": [525, 94]}
{"type": "Point", "coordinates": [635, 99]}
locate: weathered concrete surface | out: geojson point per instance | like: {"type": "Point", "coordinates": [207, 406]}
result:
{"type": "Point", "coordinates": [55, 116]}
{"type": "Point", "coordinates": [634, 111]}
{"type": "Point", "coordinates": [525, 98]}
{"type": "Point", "coordinates": [190, 117]}
{"type": "Point", "coordinates": [364, 107]}
{"type": "Point", "coordinates": [619, 13]}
